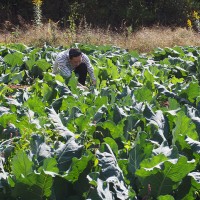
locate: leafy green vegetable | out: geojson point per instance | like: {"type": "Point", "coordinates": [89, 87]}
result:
{"type": "Point", "coordinates": [133, 136]}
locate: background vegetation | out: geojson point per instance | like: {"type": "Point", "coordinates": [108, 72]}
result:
{"type": "Point", "coordinates": [131, 24]}
{"type": "Point", "coordinates": [101, 13]}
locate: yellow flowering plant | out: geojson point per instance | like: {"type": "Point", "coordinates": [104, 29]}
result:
{"type": "Point", "coordinates": [189, 24]}
{"type": "Point", "coordinates": [195, 15]}
{"type": "Point", "coordinates": [195, 22]}
{"type": "Point", "coordinates": [37, 2]}
{"type": "Point", "coordinates": [37, 11]}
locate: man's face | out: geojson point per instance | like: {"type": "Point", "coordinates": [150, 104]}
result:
{"type": "Point", "coordinates": [76, 61]}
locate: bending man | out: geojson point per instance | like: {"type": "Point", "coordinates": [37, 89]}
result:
{"type": "Point", "coordinates": [74, 60]}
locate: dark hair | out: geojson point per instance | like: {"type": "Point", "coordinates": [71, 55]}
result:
{"type": "Point", "coordinates": [74, 52]}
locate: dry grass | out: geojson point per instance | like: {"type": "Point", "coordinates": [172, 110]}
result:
{"type": "Point", "coordinates": [143, 40]}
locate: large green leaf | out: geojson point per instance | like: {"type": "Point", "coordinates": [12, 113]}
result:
{"type": "Point", "coordinates": [30, 64]}
{"type": "Point", "coordinates": [184, 127]}
{"type": "Point", "coordinates": [111, 176]}
{"type": "Point", "coordinates": [141, 150]}
{"type": "Point", "coordinates": [39, 148]}
{"type": "Point", "coordinates": [45, 182]}
{"type": "Point", "coordinates": [101, 114]}
{"type": "Point", "coordinates": [73, 81]}
{"type": "Point", "coordinates": [77, 167]}
{"type": "Point", "coordinates": [43, 64]}
{"type": "Point", "coordinates": [170, 152]}
{"type": "Point", "coordinates": [161, 130]}
{"type": "Point", "coordinates": [49, 166]}
{"type": "Point", "coordinates": [118, 114]}
{"type": "Point", "coordinates": [195, 145]}
{"type": "Point", "coordinates": [192, 91]}
{"type": "Point", "coordinates": [37, 66]}
{"type": "Point", "coordinates": [102, 191]}
{"type": "Point", "coordinates": [130, 125]}
{"type": "Point", "coordinates": [5, 119]}
{"type": "Point", "coordinates": [34, 186]}
{"type": "Point", "coordinates": [164, 176]}
{"type": "Point", "coordinates": [46, 92]}
{"type": "Point", "coordinates": [5, 78]}
{"type": "Point", "coordinates": [65, 152]}
{"type": "Point", "coordinates": [189, 188]}
{"type": "Point", "coordinates": [110, 128]}
{"type": "Point", "coordinates": [22, 166]}
{"type": "Point", "coordinates": [112, 144]}
{"type": "Point", "coordinates": [193, 114]}
{"type": "Point", "coordinates": [62, 130]}
{"type": "Point", "coordinates": [35, 104]}
{"type": "Point", "coordinates": [17, 77]}
{"type": "Point", "coordinates": [14, 59]}
{"type": "Point", "coordinates": [18, 47]}
{"type": "Point", "coordinates": [143, 94]}
{"type": "Point", "coordinates": [112, 70]}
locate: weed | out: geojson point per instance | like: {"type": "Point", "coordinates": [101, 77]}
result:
{"type": "Point", "coordinates": [38, 12]}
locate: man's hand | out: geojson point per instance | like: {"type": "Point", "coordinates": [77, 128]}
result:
{"type": "Point", "coordinates": [82, 86]}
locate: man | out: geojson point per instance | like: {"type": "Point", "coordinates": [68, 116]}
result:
{"type": "Point", "coordinates": [74, 60]}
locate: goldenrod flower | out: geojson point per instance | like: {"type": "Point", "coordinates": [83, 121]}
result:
{"type": "Point", "coordinates": [37, 11]}
{"type": "Point", "coordinates": [189, 23]}
{"type": "Point", "coordinates": [37, 2]}
{"type": "Point", "coordinates": [195, 15]}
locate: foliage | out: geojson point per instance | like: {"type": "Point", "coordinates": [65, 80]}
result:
{"type": "Point", "coordinates": [134, 136]}
{"type": "Point", "coordinates": [134, 13]}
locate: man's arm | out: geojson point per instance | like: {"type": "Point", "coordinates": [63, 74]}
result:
{"type": "Point", "coordinates": [90, 69]}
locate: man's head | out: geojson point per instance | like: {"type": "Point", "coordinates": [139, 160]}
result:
{"type": "Point", "coordinates": [75, 57]}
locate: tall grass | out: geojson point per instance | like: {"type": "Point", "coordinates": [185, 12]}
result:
{"type": "Point", "coordinates": [143, 40]}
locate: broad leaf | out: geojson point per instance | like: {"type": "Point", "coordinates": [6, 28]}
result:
{"type": "Point", "coordinates": [112, 174]}
{"type": "Point", "coordinates": [62, 130]}
{"type": "Point", "coordinates": [65, 152]}
{"type": "Point", "coordinates": [77, 167]}
{"type": "Point", "coordinates": [183, 128]}
{"type": "Point", "coordinates": [14, 59]}
{"type": "Point", "coordinates": [21, 164]}
{"type": "Point", "coordinates": [141, 150]}
{"type": "Point", "coordinates": [49, 165]}
{"type": "Point", "coordinates": [143, 94]}
{"type": "Point", "coordinates": [195, 145]}
{"type": "Point", "coordinates": [163, 177]}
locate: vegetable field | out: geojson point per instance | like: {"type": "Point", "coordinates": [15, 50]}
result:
{"type": "Point", "coordinates": [134, 136]}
